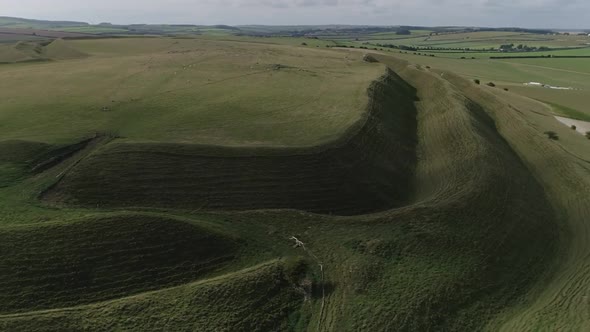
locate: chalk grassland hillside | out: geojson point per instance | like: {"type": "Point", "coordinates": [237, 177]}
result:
{"type": "Point", "coordinates": [260, 298]}
{"type": "Point", "coordinates": [424, 201]}
{"type": "Point", "coordinates": [28, 51]}
{"type": "Point", "coordinates": [95, 259]}
{"type": "Point", "coordinates": [368, 169]}
{"type": "Point", "coordinates": [186, 90]}
{"type": "Point", "coordinates": [559, 301]}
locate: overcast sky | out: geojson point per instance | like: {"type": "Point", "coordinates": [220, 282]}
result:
{"type": "Point", "coordinates": [521, 13]}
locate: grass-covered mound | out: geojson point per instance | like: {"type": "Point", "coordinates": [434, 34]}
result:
{"type": "Point", "coordinates": [370, 168]}
{"type": "Point", "coordinates": [70, 263]}
{"type": "Point", "coordinates": [59, 49]}
{"type": "Point", "coordinates": [261, 298]}
{"type": "Point", "coordinates": [478, 235]}
{"type": "Point", "coordinates": [186, 91]}
{"type": "Point", "coordinates": [24, 51]}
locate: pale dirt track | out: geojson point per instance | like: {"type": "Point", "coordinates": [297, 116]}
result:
{"type": "Point", "coordinates": [581, 126]}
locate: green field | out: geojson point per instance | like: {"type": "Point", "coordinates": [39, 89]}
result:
{"type": "Point", "coordinates": [485, 39]}
{"type": "Point", "coordinates": [161, 183]}
{"type": "Point", "coordinates": [187, 90]}
{"type": "Point", "coordinates": [513, 73]}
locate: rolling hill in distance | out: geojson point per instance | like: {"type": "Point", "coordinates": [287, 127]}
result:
{"type": "Point", "coordinates": [293, 178]}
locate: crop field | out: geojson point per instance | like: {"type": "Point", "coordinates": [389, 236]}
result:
{"type": "Point", "coordinates": [243, 183]}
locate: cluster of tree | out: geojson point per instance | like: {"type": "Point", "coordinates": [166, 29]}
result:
{"type": "Point", "coordinates": [398, 47]}
{"type": "Point", "coordinates": [522, 48]}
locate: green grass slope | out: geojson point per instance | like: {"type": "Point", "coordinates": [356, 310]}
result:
{"type": "Point", "coordinates": [55, 265]}
{"type": "Point", "coordinates": [456, 212]}
{"type": "Point", "coordinates": [370, 168]}
{"type": "Point", "coordinates": [24, 51]}
{"type": "Point", "coordinates": [479, 233]}
{"type": "Point", "coordinates": [187, 91]}
{"type": "Point", "coordinates": [17, 159]}
{"type": "Point", "coordinates": [61, 50]}
{"type": "Point", "coordinates": [21, 51]}
{"type": "Point", "coordinates": [559, 299]}
{"type": "Point", "coordinates": [261, 298]}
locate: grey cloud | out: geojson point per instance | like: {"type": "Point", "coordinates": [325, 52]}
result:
{"type": "Point", "coordinates": [525, 13]}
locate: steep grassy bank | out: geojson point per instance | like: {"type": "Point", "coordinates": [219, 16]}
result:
{"type": "Point", "coordinates": [370, 168]}
{"type": "Point", "coordinates": [260, 298]}
{"type": "Point", "coordinates": [558, 300]}
{"type": "Point", "coordinates": [63, 264]}
{"type": "Point", "coordinates": [479, 233]}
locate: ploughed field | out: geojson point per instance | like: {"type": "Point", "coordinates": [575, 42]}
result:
{"type": "Point", "coordinates": [164, 183]}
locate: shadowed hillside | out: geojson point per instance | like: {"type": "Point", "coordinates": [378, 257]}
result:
{"type": "Point", "coordinates": [369, 169]}
{"type": "Point", "coordinates": [257, 299]}
{"type": "Point", "coordinates": [69, 263]}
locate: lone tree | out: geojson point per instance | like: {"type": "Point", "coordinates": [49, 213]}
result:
{"type": "Point", "coordinates": [477, 81]}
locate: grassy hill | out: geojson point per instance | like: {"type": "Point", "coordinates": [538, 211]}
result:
{"type": "Point", "coordinates": [370, 168]}
{"type": "Point", "coordinates": [226, 303]}
{"type": "Point", "coordinates": [56, 265]}
{"type": "Point", "coordinates": [27, 51]}
{"type": "Point", "coordinates": [16, 22]}
{"type": "Point", "coordinates": [178, 174]}
{"type": "Point", "coordinates": [188, 90]}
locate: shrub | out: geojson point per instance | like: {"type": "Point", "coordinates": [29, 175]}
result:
{"type": "Point", "coordinates": [588, 134]}
{"type": "Point", "coordinates": [303, 44]}
{"type": "Point", "coordinates": [369, 58]}
{"type": "Point", "coordinates": [505, 89]}
{"type": "Point", "coordinates": [574, 127]}
{"type": "Point", "coordinates": [476, 81]}
{"type": "Point", "coordinates": [491, 84]}
{"type": "Point", "coordinates": [552, 135]}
